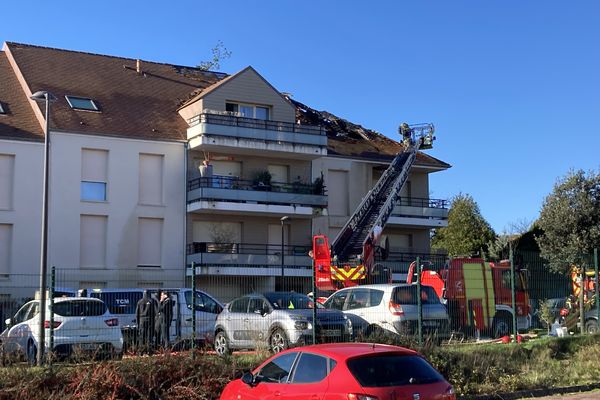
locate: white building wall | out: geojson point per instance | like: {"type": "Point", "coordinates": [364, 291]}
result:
{"type": "Point", "coordinates": [122, 211]}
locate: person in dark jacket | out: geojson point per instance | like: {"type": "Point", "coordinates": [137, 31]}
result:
{"type": "Point", "coordinates": [163, 319]}
{"type": "Point", "coordinates": [145, 314]}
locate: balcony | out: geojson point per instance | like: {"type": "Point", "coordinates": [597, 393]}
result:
{"type": "Point", "coordinates": [216, 132]}
{"type": "Point", "coordinates": [420, 212]}
{"type": "Point", "coordinates": [243, 259]}
{"type": "Point", "coordinates": [230, 194]}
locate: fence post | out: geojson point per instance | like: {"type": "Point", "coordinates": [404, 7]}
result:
{"type": "Point", "coordinates": [513, 293]}
{"type": "Point", "coordinates": [51, 298]}
{"type": "Point", "coordinates": [582, 299]}
{"type": "Point", "coordinates": [596, 288]}
{"type": "Point", "coordinates": [314, 309]}
{"type": "Point", "coordinates": [193, 308]}
{"type": "Point", "coordinates": [419, 304]}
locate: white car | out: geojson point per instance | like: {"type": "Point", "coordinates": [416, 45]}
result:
{"type": "Point", "coordinates": [80, 324]}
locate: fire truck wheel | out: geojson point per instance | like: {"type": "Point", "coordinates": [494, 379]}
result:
{"type": "Point", "coordinates": [502, 325]}
{"type": "Point", "coordinates": [591, 326]}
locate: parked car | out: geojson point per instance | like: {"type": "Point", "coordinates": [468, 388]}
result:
{"type": "Point", "coordinates": [122, 303]}
{"type": "Point", "coordinates": [391, 308]}
{"type": "Point", "coordinates": [357, 371]}
{"type": "Point", "coordinates": [278, 320]}
{"type": "Point", "coordinates": [80, 324]}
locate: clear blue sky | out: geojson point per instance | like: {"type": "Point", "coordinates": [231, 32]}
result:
{"type": "Point", "coordinates": [512, 86]}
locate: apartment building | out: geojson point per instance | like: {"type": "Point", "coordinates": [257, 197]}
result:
{"type": "Point", "coordinates": [156, 167]}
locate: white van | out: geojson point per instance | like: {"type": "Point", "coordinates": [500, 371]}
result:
{"type": "Point", "coordinates": [122, 304]}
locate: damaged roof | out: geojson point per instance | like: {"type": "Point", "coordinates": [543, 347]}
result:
{"type": "Point", "coordinates": [347, 139]}
{"type": "Point", "coordinates": [143, 104]}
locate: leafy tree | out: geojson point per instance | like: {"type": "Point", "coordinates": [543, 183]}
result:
{"type": "Point", "coordinates": [467, 233]}
{"type": "Point", "coordinates": [570, 220]}
{"type": "Point", "coordinates": [219, 53]}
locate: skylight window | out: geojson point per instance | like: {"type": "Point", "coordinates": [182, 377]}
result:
{"type": "Point", "coordinates": [82, 103]}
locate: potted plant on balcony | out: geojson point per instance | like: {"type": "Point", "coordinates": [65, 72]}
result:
{"type": "Point", "coordinates": [262, 180]}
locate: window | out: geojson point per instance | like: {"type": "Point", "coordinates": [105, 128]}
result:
{"type": "Point", "coordinates": [92, 242]}
{"type": "Point", "coordinates": [5, 248]}
{"type": "Point", "coordinates": [359, 298]}
{"type": "Point", "coordinates": [151, 179]}
{"type": "Point", "coordinates": [392, 370]}
{"type": "Point", "coordinates": [150, 232]}
{"type": "Point", "coordinates": [249, 110]}
{"type": "Point", "coordinates": [93, 191]}
{"type": "Point", "coordinates": [119, 303]}
{"type": "Point", "coordinates": [203, 303]}
{"type": "Point", "coordinates": [94, 173]}
{"type": "Point", "coordinates": [408, 295]}
{"type": "Point", "coordinates": [337, 301]}
{"type": "Point", "coordinates": [82, 103]}
{"type": "Point", "coordinates": [239, 305]}
{"type": "Point", "coordinates": [7, 172]}
{"type": "Point", "coordinates": [311, 368]}
{"type": "Point", "coordinates": [79, 308]}
{"type": "Point", "coordinates": [278, 370]}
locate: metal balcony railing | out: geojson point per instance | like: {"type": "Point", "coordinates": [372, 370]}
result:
{"type": "Point", "coordinates": [247, 248]}
{"type": "Point", "coordinates": [243, 122]}
{"type": "Point", "coordinates": [422, 202]}
{"type": "Point", "coordinates": [234, 183]}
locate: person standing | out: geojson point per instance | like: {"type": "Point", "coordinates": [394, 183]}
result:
{"type": "Point", "coordinates": [165, 316]}
{"type": "Point", "coordinates": [145, 314]}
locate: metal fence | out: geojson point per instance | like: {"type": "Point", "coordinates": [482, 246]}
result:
{"type": "Point", "coordinates": [227, 307]}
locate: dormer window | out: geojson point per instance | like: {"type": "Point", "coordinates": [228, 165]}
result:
{"type": "Point", "coordinates": [249, 110]}
{"type": "Point", "coordinates": [82, 103]}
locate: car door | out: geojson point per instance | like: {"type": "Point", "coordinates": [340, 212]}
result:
{"type": "Point", "coordinates": [206, 309]}
{"type": "Point", "coordinates": [236, 327]}
{"type": "Point", "coordinates": [272, 379]}
{"type": "Point", "coordinates": [15, 337]}
{"type": "Point", "coordinates": [309, 378]}
{"type": "Point", "coordinates": [258, 321]}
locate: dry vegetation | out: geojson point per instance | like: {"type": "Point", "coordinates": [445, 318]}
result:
{"type": "Point", "coordinates": [473, 369]}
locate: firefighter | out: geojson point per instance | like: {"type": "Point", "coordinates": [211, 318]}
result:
{"type": "Point", "coordinates": [406, 133]}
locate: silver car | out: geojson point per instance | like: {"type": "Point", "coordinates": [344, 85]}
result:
{"type": "Point", "coordinates": [391, 308]}
{"type": "Point", "coordinates": [277, 321]}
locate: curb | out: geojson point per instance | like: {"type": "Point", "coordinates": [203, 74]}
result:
{"type": "Point", "coordinates": [532, 393]}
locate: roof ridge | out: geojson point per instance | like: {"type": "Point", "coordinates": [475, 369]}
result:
{"type": "Point", "coordinates": [113, 56]}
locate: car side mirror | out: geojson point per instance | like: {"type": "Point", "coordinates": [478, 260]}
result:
{"type": "Point", "coordinates": [250, 379]}
{"type": "Point", "coordinates": [266, 310]}
{"type": "Point", "coordinates": [8, 322]}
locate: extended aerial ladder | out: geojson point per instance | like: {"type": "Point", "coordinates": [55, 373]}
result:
{"type": "Point", "coordinates": [351, 258]}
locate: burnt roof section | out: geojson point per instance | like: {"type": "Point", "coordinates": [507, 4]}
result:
{"type": "Point", "coordinates": [137, 105]}
{"type": "Point", "coordinates": [19, 122]}
{"type": "Point", "coordinates": [347, 139]}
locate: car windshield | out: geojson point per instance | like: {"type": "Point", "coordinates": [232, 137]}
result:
{"type": "Point", "coordinates": [392, 370]}
{"type": "Point", "coordinates": [79, 308]}
{"type": "Point", "coordinates": [289, 300]}
{"type": "Point", "coordinates": [408, 295]}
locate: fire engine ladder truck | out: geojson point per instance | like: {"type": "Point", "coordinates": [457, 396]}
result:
{"type": "Point", "coordinates": [359, 236]}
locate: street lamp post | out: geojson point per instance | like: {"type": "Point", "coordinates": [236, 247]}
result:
{"type": "Point", "coordinates": [283, 219]}
{"type": "Point", "coordinates": [46, 97]}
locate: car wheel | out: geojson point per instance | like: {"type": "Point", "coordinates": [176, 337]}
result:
{"type": "Point", "coordinates": [31, 352]}
{"type": "Point", "coordinates": [591, 326]}
{"type": "Point", "coordinates": [278, 341]}
{"type": "Point", "coordinates": [221, 344]}
{"type": "Point", "coordinates": [502, 326]}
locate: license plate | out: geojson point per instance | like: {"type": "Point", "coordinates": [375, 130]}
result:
{"type": "Point", "coordinates": [87, 346]}
{"type": "Point", "coordinates": [330, 332]}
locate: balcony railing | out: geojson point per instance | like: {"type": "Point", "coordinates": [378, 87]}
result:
{"type": "Point", "coordinates": [422, 202]}
{"type": "Point", "coordinates": [243, 122]}
{"type": "Point", "coordinates": [234, 183]}
{"type": "Point", "coordinates": [247, 248]}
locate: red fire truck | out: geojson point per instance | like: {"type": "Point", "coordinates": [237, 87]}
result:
{"type": "Point", "coordinates": [350, 260]}
{"type": "Point", "coordinates": [478, 294]}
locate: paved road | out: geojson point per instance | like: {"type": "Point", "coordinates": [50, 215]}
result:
{"type": "Point", "coordinates": [595, 395]}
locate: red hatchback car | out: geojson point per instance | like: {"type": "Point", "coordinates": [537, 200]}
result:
{"type": "Point", "coordinates": [342, 371]}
